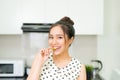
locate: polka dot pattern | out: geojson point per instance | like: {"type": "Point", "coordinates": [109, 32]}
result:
{"type": "Point", "coordinates": [51, 72]}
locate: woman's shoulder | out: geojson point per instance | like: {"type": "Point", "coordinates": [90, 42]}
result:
{"type": "Point", "coordinates": [75, 60]}
{"type": "Point", "coordinates": [76, 63]}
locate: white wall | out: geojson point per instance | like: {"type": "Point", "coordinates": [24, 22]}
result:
{"type": "Point", "coordinates": [109, 42]}
{"type": "Point", "coordinates": [84, 48]}
{"type": "Point", "coordinates": [11, 46]}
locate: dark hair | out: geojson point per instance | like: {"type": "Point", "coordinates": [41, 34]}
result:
{"type": "Point", "coordinates": [66, 25]}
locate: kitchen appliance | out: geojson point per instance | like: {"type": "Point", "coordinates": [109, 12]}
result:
{"type": "Point", "coordinates": [97, 67]}
{"type": "Point", "coordinates": [34, 38]}
{"type": "Point", "coordinates": [12, 68]}
{"type": "Point", "coordinates": [36, 27]}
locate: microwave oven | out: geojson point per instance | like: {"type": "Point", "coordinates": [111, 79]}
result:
{"type": "Point", "coordinates": [12, 68]}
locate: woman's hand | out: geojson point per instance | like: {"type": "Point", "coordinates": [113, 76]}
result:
{"type": "Point", "coordinates": [38, 62]}
{"type": "Point", "coordinates": [44, 54]}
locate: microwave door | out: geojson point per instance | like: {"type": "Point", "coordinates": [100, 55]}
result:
{"type": "Point", "coordinates": [6, 68]}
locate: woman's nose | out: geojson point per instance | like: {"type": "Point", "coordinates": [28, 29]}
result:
{"type": "Point", "coordinates": [54, 41]}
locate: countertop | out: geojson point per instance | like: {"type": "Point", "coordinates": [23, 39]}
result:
{"type": "Point", "coordinates": [16, 78]}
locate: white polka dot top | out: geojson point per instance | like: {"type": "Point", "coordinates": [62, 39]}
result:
{"type": "Point", "coordinates": [51, 72]}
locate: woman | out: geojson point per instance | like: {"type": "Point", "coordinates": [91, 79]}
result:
{"type": "Point", "coordinates": [55, 63]}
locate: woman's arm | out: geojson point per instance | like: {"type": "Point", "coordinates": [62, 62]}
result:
{"type": "Point", "coordinates": [37, 64]}
{"type": "Point", "coordinates": [35, 69]}
{"type": "Point", "coordinates": [82, 75]}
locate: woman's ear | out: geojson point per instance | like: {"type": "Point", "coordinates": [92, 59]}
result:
{"type": "Point", "coordinates": [71, 40]}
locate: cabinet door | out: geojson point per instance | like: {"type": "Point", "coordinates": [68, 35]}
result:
{"type": "Point", "coordinates": [33, 11]}
{"type": "Point", "coordinates": [16, 12]}
{"type": "Point", "coordinates": [87, 15]}
{"type": "Point", "coordinates": [55, 10]}
{"type": "Point", "coordinates": [10, 21]}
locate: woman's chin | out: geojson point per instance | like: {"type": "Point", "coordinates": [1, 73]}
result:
{"type": "Point", "coordinates": [56, 53]}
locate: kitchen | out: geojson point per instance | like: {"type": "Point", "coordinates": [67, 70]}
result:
{"type": "Point", "coordinates": [101, 42]}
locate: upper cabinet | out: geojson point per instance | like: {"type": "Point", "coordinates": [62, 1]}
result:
{"type": "Point", "coordinates": [13, 13]}
{"type": "Point", "coordinates": [55, 10]}
{"type": "Point", "coordinates": [10, 19]}
{"type": "Point", "coordinates": [87, 14]}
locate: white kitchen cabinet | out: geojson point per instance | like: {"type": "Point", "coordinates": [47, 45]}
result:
{"type": "Point", "coordinates": [87, 15]}
{"type": "Point", "coordinates": [33, 11]}
{"type": "Point", "coordinates": [55, 10]}
{"type": "Point", "coordinates": [16, 12]}
{"type": "Point", "coordinates": [13, 13]}
{"type": "Point", "coordinates": [10, 21]}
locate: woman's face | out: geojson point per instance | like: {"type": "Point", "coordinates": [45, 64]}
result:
{"type": "Point", "coordinates": [58, 40]}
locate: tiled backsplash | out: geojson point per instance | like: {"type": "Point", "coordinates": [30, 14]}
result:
{"type": "Point", "coordinates": [84, 48]}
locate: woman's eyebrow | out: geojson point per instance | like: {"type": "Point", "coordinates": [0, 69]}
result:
{"type": "Point", "coordinates": [56, 35]}
{"type": "Point", "coordinates": [59, 35]}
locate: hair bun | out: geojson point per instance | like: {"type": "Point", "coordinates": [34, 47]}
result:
{"type": "Point", "coordinates": [67, 20]}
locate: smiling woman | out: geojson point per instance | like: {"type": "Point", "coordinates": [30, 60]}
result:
{"type": "Point", "coordinates": [58, 64]}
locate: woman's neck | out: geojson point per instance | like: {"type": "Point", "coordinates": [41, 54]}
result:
{"type": "Point", "coordinates": [62, 59]}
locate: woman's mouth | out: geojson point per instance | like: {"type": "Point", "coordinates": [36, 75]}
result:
{"type": "Point", "coordinates": [55, 48]}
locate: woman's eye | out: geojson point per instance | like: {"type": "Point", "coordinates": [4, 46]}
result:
{"type": "Point", "coordinates": [60, 37]}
